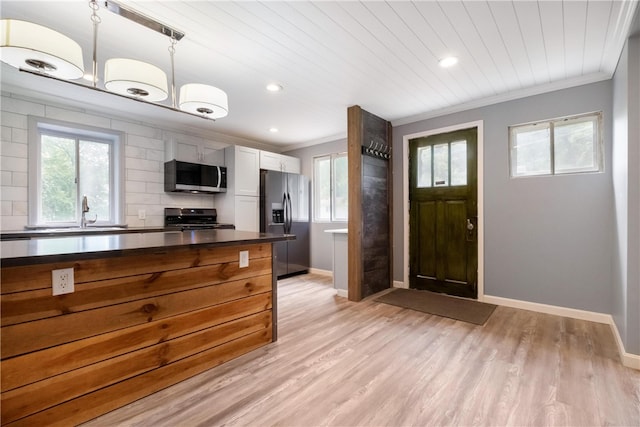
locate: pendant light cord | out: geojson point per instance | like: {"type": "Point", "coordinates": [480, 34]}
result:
{"type": "Point", "coordinates": [95, 19]}
{"type": "Point", "coordinates": [172, 51]}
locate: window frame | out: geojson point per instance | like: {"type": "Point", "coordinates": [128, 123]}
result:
{"type": "Point", "coordinates": [39, 126]}
{"type": "Point", "coordinates": [332, 157]}
{"type": "Point", "coordinates": [597, 118]}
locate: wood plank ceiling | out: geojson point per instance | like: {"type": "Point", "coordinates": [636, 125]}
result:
{"type": "Point", "coordinates": [382, 55]}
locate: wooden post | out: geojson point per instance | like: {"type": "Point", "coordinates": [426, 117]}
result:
{"type": "Point", "coordinates": [370, 196]}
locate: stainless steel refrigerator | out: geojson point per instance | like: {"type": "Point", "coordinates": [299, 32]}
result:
{"type": "Point", "coordinates": [284, 208]}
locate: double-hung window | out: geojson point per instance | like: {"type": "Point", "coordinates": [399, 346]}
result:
{"type": "Point", "coordinates": [330, 188]}
{"type": "Point", "coordinates": [560, 146]}
{"type": "Point", "coordinates": [68, 163]}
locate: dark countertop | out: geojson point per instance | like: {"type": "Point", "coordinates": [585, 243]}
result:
{"type": "Point", "coordinates": [69, 248]}
{"type": "Point", "coordinates": [74, 231]}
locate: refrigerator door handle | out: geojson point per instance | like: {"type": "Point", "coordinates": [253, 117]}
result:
{"type": "Point", "coordinates": [290, 214]}
{"type": "Point", "coordinates": [285, 207]}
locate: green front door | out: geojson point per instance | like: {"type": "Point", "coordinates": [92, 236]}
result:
{"type": "Point", "coordinates": [444, 213]}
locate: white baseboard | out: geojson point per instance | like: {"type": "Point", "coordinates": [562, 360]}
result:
{"type": "Point", "coordinates": [342, 293]}
{"type": "Point", "coordinates": [399, 284]}
{"type": "Point", "coordinates": [321, 272]}
{"type": "Point", "coordinates": [628, 359]}
{"type": "Point", "coordinates": [550, 309]}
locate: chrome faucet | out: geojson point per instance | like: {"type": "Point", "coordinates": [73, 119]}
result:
{"type": "Point", "coordinates": [85, 208]}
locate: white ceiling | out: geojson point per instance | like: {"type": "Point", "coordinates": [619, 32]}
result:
{"type": "Point", "coordinates": [330, 55]}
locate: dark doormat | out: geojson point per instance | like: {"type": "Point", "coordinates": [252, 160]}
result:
{"type": "Point", "coordinates": [439, 304]}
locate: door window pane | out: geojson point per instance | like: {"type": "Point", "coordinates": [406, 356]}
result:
{"type": "Point", "coordinates": [424, 167]}
{"type": "Point", "coordinates": [575, 146]}
{"type": "Point", "coordinates": [459, 163]}
{"type": "Point", "coordinates": [531, 150]}
{"type": "Point", "coordinates": [58, 179]}
{"type": "Point", "coordinates": [441, 165]}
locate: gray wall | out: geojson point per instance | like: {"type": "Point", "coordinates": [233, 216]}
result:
{"type": "Point", "coordinates": [547, 239]}
{"type": "Point", "coordinates": [626, 187]}
{"type": "Point", "coordinates": [321, 242]}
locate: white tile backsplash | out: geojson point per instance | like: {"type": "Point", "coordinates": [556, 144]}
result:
{"type": "Point", "coordinates": [155, 187]}
{"type": "Point", "coordinates": [11, 149]}
{"type": "Point", "coordinates": [13, 120]}
{"type": "Point", "coordinates": [86, 119]}
{"type": "Point", "coordinates": [142, 199]}
{"type": "Point", "coordinates": [6, 208]}
{"type": "Point", "coordinates": [20, 179]}
{"type": "Point", "coordinates": [20, 208]}
{"type": "Point", "coordinates": [21, 106]}
{"type": "Point", "coordinates": [157, 155]}
{"type": "Point", "coordinates": [14, 164]}
{"type": "Point", "coordinates": [6, 133]}
{"type": "Point", "coordinates": [134, 129]}
{"type": "Point", "coordinates": [135, 186]}
{"type": "Point", "coordinates": [146, 176]}
{"type": "Point", "coordinates": [145, 142]}
{"type": "Point", "coordinates": [20, 136]}
{"type": "Point", "coordinates": [144, 165]}
{"type": "Point", "coordinates": [14, 193]}
{"type": "Point", "coordinates": [132, 152]}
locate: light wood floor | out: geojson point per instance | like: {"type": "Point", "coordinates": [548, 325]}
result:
{"type": "Point", "coordinates": [344, 364]}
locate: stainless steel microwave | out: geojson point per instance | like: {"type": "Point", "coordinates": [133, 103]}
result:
{"type": "Point", "coordinates": [194, 177]}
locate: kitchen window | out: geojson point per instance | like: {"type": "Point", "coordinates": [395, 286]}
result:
{"type": "Point", "coordinates": [68, 162]}
{"type": "Point", "coordinates": [330, 188]}
{"type": "Point", "coordinates": [560, 146]}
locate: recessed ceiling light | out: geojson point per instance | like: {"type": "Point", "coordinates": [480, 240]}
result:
{"type": "Point", "coordinates": [274, 87]}
{"type": "Point", "coordinates": [448, 61]}
{"type": "Point", "coordinates": [273, 130]}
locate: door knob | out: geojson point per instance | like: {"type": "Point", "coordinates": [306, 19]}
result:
{"type": "Point", "coordinates": [469, 225]}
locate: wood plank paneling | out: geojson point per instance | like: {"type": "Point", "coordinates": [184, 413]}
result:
{"type": "Point", "coordinates": [35, 366]}
{"type": "Point", "coordinates": [138, 324]}
{"type": "Point", "coordinates": [58, 389]}
{"type": "Point", "coordinates": [39, 334]}
{"type": "Point", "coordinates": [38, 304]}
{"type": "Point", "coordinates": [106, 399]}
{"type": "Point", "coordinates": [38, 276]}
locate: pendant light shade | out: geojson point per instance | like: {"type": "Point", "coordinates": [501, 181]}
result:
{"type": "Point", "coordinates": [136, 79]}
{"type": "Point", "coordinates": [205, 100]}
{"type": "Point", "coordinates": [37, 48]}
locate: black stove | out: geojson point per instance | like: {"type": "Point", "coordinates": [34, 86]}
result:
{"type": "Point", "coordinates": [193, 219]}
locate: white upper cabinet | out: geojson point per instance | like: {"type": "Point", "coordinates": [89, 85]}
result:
{"type": "Point", "coordinates": [194, 151]}
{"type": "Point", "coordinates": [243, 169]}
{"type": "Point", "coordinates": [291, 164]}
{"type": "Point", "coordinates": [279, 162]}
{"type": "Point", "coordinates": [270, 161]}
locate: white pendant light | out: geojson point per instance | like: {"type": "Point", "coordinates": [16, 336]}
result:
{"type": "Point", "coordinates": [37, 48]}
{"type": "Point", "coordinates": [136, 79]}
{"type": "Point", "coordinates": [205, 100]}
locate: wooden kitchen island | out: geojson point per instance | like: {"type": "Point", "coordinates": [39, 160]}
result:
{"type": "Point", "coordinates": [149, 310]}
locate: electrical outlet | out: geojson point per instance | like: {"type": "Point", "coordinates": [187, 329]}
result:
{"type": "Point", "coordinates": [244, 259]}
{"type": "Point", "coordinates": [62, 281]}
{"type": "Point", "coordinates": [142, 214]}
